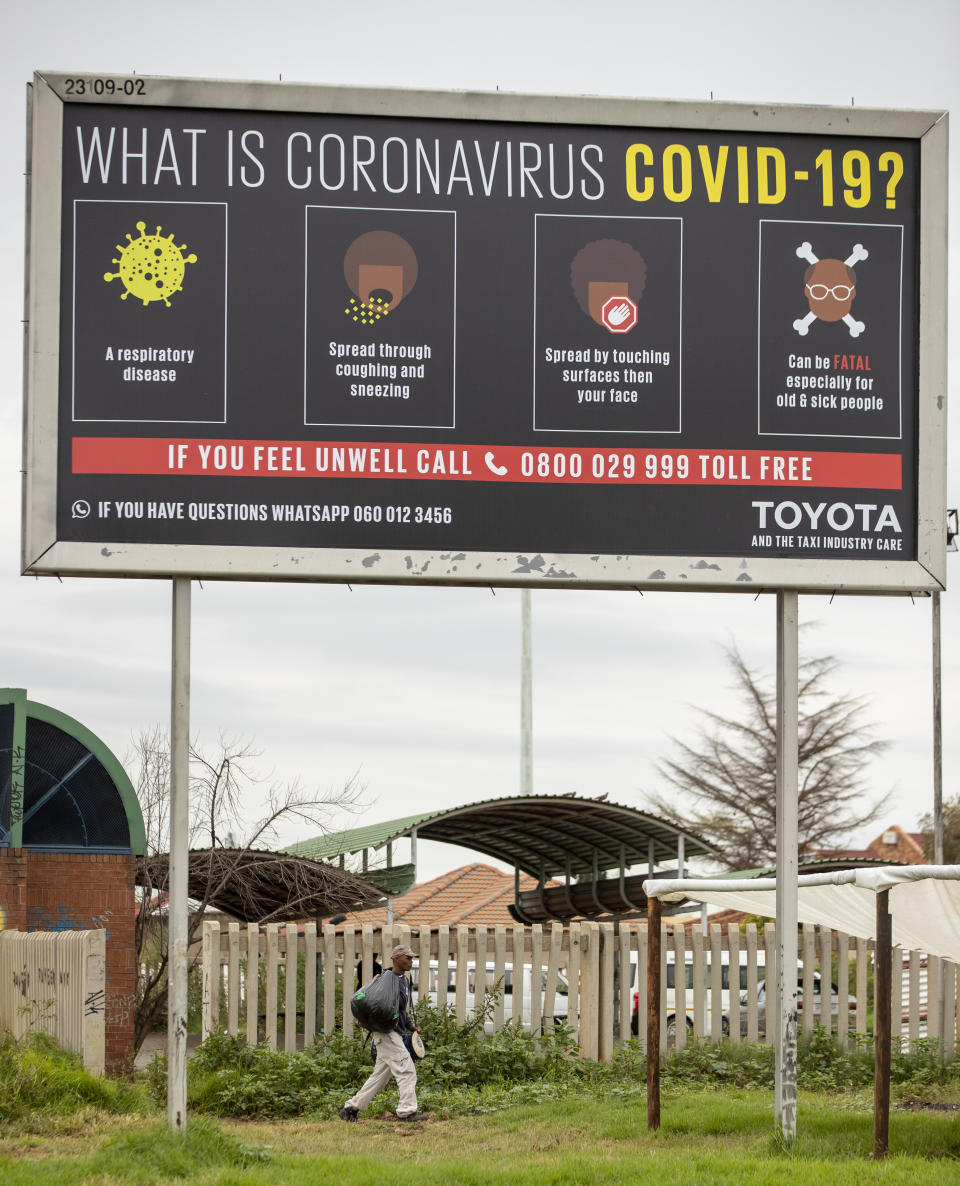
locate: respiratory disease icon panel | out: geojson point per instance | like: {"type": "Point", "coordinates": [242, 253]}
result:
{"type": "Point", "coordinates": [380, 317]}
{"type": "Point", "coordinates": [149, 312]}
{"type": "Point", "coordinates": [608, 312]}
{"type": "Point", "coordinates": [829, 357]}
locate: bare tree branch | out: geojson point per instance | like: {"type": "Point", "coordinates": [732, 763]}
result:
{"type": "Point", "coordinates": [223, 783]}
{"type": "Point", "coordinates": [727, 775]}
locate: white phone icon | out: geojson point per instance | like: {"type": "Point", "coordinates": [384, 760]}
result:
{"type": "Point", "coordinates": [491, 463]}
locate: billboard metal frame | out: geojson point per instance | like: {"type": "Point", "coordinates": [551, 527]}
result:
{"type": "Point", "coordinates": [44, 554]}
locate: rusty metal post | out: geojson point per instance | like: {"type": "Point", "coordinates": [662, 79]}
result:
{"type": "Point", "coordinates": [653, 1013]}
{"type": "Point", "coordinates": [882, 984]}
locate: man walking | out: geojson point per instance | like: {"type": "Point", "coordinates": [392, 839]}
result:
{"type": "Point", "coordinates": [392, 1055]}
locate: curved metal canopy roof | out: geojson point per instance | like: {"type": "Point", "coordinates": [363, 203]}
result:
{"type": "Point", "coordinates": [542, 835]}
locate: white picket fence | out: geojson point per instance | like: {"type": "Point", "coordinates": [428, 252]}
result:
{"type": "Point", "coordinates": [280, 983]}
{"type": "Point", "coordinates": [54, 982]}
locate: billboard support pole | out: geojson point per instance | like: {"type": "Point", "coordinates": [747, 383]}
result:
{"type": "Point", "coordinates": [788, 678]}
{"type": "Point", "coordinates": [177, 924]}
{"type": "Point", "coordinates": [526, 696]}
{"type": "Point", "coordinates": [937, 735]}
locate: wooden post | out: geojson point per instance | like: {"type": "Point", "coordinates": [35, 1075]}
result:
{"type": "Point", "coordinates": [753, 986]}
{"type": "Point", "coordinates": [210, 963]}
{"type": "Point", "coordinates": [463, 951]}
{"type": "Point", "coordinates": [653, 1013]}
{"type": "Point", "coordinates": [310, 986]}
{"type": "Point", "coordinates": [826, 978]}
{"type": "Point", "coordinates": [626, 986]}
{"type": "Point", "coordinates": [733, 979]}
{"type": "Point", "coordinates": [329, 979]}
{"type": "Point", "coordinates": [536, 978]}
{"type": "Point", "coordinates": [273, 967]}
{"type": "Point", "coordinates": [443, 963]}
{"type": "Point", "coordinates": [679, 987]}
{"type": "Point", "coordinates": [252, 983]}
{"type": "Point", "coordinates": [881, 1028]}
{"type": "Point", "coordinates": [480, 966]}
{"type": "Point", "coordinates": [843, 989]}
{"type": "Point", "coordinates": [290, 998]}
{"type": "Point", "coordinates": [698, 943]}
{"type": "Point", "coordinates": [809, 958]}
{"type": "Point", "coordinates": [499, 973]}
{"type": "Point", "coordinates": [233, 979]}
{"type": "Point", "coordinates": [716, 982]}
{"type": "Point", "coordinates": [605, 994]}
{"type": "Point", "coordinates": [349, 979]}
{"type": "Point", "coordinates": [573, 978]}
{"type": "Point", "coordinates": [861, 1011]}
{"type": "Point", "coordinates": [553, 967]}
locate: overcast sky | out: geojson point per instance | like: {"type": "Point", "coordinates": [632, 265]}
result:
{"type": "Point", "coordinates": [417, 689]}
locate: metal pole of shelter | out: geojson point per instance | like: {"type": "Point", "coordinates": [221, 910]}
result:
{"type": "Point", "coordinates": [177, 945]}
{"type": "Point", "coordinates": [653, 1013]}
{"type": "Point", "coordinates": [788, 680]}
{"type": "Point", "coordinates": [881, 1026]}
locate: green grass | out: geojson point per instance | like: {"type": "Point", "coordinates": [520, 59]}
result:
{"type": "Point", "coordinates": [707, 1137]}
{"type": "Point", "coordinates": [513, 1110]}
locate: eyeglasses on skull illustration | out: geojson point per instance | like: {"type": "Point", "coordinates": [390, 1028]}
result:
{"type": "Point", "coordinates": [830, 286]}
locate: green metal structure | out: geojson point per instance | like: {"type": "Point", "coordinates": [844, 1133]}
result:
{"type": "Point", "coordinates": [61, 787]}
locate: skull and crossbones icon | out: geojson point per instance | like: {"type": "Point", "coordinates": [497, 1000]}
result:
{"type": "Point", "coordinates": [830, 286]}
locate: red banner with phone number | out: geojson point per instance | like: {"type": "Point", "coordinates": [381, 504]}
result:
{"type": "Point", "coordinates": [485, 463]}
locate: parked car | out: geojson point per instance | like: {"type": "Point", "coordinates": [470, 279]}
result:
{"type": "Point", "coordinates": [560, 1000]}
{"type": "Point", "coordinates": [817, 1003]}
{"type": "Point", "coordinates": [669, 1018]}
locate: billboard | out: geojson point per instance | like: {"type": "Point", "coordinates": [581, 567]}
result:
{"type": "Point", "coordinates": [290, 332]}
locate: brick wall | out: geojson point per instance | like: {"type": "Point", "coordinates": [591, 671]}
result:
{"type": "Point", "coordinates": [61, 891]}
{"type": "Point", "coordinates": [13, 888]}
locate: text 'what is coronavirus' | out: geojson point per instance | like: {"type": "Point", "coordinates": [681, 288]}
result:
{"type": "Point", "coordinates": [479, 166]}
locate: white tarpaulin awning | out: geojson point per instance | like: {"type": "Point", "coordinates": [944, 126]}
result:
{"type": "Point", "coordinates": [924, 901]}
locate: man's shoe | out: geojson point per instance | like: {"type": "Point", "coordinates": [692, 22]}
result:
{"type": "Point", "coordinates": [413, 1116]}
{"type": "Point", "coordinates": [348, 1113]}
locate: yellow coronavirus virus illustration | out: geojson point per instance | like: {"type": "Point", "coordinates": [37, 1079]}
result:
{"type": "Point", "coordinates": [151, 268]}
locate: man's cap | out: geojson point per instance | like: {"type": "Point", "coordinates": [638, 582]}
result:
{"type": "Point", "coordinates": [401, 949]}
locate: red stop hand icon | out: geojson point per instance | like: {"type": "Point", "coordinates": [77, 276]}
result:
{"type": "Point", "coordinates": [619, 314]}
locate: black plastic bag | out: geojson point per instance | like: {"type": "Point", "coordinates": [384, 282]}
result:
{"type": "Point", "coordinates": [376, 1006]}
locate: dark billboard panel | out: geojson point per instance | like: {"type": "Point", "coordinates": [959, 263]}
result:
{"type": "Point", "coordinates": [295, 333]}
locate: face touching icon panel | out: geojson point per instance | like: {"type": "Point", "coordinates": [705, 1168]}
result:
{"type": "Point", "coordinates": [603, 269]}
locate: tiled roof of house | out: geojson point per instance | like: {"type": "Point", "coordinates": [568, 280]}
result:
{"type": "Point", "coordinates": [475, 895]}
{"type": "Point", "coordinates": [907, 847]}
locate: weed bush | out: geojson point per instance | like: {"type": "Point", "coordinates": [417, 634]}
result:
{"type": "Point", "coordinates": [41, 1080]}
{"type": "Point", "coordinates": [468, 1072]}
{"type": "Point", "coordinates": [465, 1070]}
